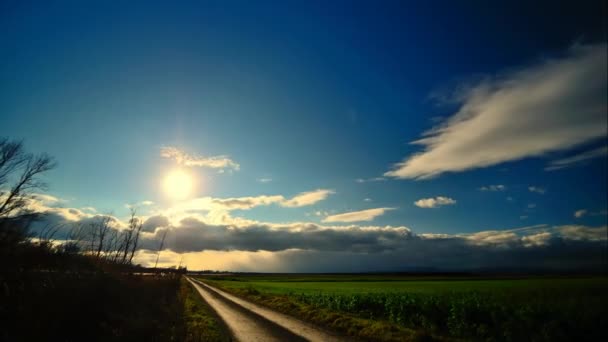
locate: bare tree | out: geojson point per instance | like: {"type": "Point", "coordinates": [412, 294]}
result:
{"type": "Point", "coordinates": [135, 240]}
{"type": "Point", "coordinates": [160, 248]}
{"type": "Point", "coordinates": [23, 169]}
{"type": "Point", "coordinates": [99, 230]}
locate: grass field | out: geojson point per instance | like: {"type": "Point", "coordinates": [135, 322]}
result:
{"type": "Point", "coordinates": [537, 308]}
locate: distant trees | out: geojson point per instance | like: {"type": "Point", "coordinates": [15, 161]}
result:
{"type": "Point", "coordinates": [101, 239]}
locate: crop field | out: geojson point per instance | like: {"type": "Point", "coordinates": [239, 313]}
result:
{"type": "Point", "coordinates": [539, 309]}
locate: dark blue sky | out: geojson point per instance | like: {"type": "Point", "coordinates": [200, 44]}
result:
{"type": "Point", "coordinates": [318, 95]}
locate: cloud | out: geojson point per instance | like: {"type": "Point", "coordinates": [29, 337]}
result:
{"type": "Point", "coordinates": [357, 216]}
{"type": "Point", "coordinates": [537, 189]}
{"type": "Point", "coordinates": [551, 106]}
{"type": "Point", "coordinates": [139, 204]}
{"type": "Point", "coordinates": [196, 235]}
{"type": "Point", "coordinates": [307, 198]}
{"type": "Point", "coordinates": [577, 232]}
{"type": "Point", "coordinates": [577, 159]}
{"type": "Point", "coordinates": [245, 245]}
{"type": "Point", "coordinates": [367, 199]}
{"type": "Point", "coordinates": [540, 239]}
{"type": "Point", "coordinates": [185, 159]}
{"type": "Point", "coordinates": [154, 222]}
{"type": "Point", "coordinates": [531, 205]}
{"type": "Point", "coordinates": [264, 180]}
{"type": "Point", "coordinates": [434, 202]}
{"type": "Point", "coordinates": [306, 247]}
{"type": "Point", "coordinates": [245, 203]}
{"type": "Point", "coordinates": [580, 213]}
{"type": "Point", "coordinates": [373, 179]}
{"type": "Point", "coordinates": [498, 187]}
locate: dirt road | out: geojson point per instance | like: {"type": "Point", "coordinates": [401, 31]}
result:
{"type": "Point", "coordinates": [250, 322]}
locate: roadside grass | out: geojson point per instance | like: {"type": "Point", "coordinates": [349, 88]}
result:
{"type": "Point", "coordinates": [539, 309]}
{"type": "Point", "coordinates": [201, 322]}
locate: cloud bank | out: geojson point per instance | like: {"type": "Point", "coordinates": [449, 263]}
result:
{"type": "Point", "coordinates": [233, 243]}
{"type": "Point", "coordinates": [550, 106]}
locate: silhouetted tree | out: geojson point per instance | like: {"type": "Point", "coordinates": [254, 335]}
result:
{"type": "Point", "coordinates": [19, 177]}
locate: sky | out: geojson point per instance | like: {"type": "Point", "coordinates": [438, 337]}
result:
{"type": "Point", "coordinates": [315, 136]}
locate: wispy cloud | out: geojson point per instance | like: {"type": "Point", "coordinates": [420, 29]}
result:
{"type": "Point", "coordinates": [434, 202]}
{"type": "Point", "coordinates": [307, 198]}
{"type": "Point", "coordinates": [551, 106]}
{"type": "Point", "coordinates": [373, 179]}
{"type": "Point", "coordinates": [357, 216]}
{"type": "Point", "coordinates": [537, 189]}
{"type": "Point", "coordinates": [577, 159]}
{"type": "Point", "coordinates": [264, 180]}
{"type": "Point", "coordinates": [584, 212]}
{"type": "Point", "coordinates": [244, 203]}
{"type": "Point", "coordinates": [185, 159]}
{"type": "Point", "coordinates": [146, 203]}
{"type": "Point", "coordinates": [498, 187]}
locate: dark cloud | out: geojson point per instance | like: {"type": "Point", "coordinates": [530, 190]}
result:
{"type": "Point", "coordinates": [154, 222]}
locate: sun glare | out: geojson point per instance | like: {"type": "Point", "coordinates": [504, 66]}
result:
{"type": "Point", "coordinates": [178, 184]}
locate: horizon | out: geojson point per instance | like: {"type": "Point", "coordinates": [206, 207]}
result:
{"type": "Point", "coordinates": [319, 138]}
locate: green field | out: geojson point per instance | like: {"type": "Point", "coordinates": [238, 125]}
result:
{"type": "Point", "coordinates": [502, 309]}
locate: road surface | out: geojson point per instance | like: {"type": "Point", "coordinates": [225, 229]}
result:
{"type": "Point", "coordinates": [250, 322]}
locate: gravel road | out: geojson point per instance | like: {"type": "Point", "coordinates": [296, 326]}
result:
{"type": "Point", "coordinates": [250, 322]}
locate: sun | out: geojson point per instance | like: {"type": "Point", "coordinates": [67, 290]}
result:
{"type": "Point", "coordinates": [178, 184]}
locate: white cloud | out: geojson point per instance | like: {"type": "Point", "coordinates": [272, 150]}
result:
{"type": "Point", "coordinates": [264, 180]}
{"type": "Point", "coordinates": [577, 159]}
{"type": "Point", "coordinates": [373, 179]}
{"type": "Point", "coordinates": [307, 198]}
{"type": "Point", "coordinates": [357, 216]}
{"type": "Point", "coordinates": [537, 189]}
{"type": "Point", "coordinates": [367, 199]}
{"type": "Point", "coordinates": [498, 187]}
{"type": "Point", "coordinates": [580, 213]}
{"type": "Point", "coordinates": [531, 205]}
{"type": "Point", "coordinates": [185, 159]}
{"type": "Point", "coordinates": [434, 202]}
{"type": "Point", "coordinates": [551, 106]}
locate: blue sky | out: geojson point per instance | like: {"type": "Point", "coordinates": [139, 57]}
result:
{"type": "Point", "coordinates": [316, 96]}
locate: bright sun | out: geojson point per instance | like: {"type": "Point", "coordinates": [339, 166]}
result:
{"type": "Point", "coordinates": [178, 184]}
